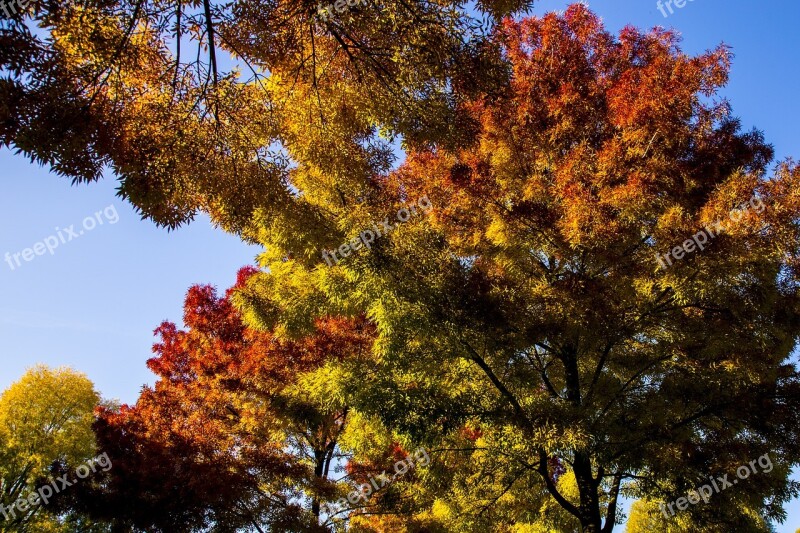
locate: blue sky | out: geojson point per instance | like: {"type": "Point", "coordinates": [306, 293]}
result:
{"type": "Point", "coordinates": [94, 303]}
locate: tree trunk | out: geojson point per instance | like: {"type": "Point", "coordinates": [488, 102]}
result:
{"type": "Point", "coordinates": [587, 487]}
{"type": "Point", "coordinates": [319, 472]}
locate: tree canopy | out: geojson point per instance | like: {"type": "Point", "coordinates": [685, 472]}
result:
{"type": "Point", "coordinates": [530, 301]}
{"type": "Point", "coordinates": [205, 106]}
{"type": "Point", "coordinates": [601, 301]}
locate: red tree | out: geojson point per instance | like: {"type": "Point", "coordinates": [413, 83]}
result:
{"type": "Point", "coordinates": [223, 438]}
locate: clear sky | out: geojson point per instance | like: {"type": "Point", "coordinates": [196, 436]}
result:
{"type": "Point", "coordinates": [94, 302]}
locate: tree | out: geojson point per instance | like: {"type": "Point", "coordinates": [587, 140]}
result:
{"type": "Point", "coordinates": [532, 300]}
{"type": "Point", "coordinates": [233, 434]}
{"type": "Point", "coordinates": [45, 424]}
{"type": "Point", "coordinates": [141, 89]}
{"type": "Point", "coordinates": [647, 517]}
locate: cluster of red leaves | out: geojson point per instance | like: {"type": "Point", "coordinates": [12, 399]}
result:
{"type": "Point", "coordinates": [360, 472]}
{"type": "Point", "coordinates": [595, 134]}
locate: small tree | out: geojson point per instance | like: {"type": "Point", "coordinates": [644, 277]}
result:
{"type": "Point", "coordinates": [232, 434]}
{"type": "Point", "coordinates": [45, 425]}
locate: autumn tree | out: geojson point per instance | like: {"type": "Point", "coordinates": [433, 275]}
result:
{"type": "Point", "coordinates": [647, 517]}
{"type": "Point", "coordinates": [195, 105]}
{"type": "Point", "coordinates": [45, 425]}
{"type": "Point", "coordinates": [531, 303]}
{"type": "Point", "coordinates": [234, 434]}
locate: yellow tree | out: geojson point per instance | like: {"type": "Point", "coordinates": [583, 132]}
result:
{"type": "Point", "coordinates": [649, 517]}
{"type": "Point", "coordinates": [45, 419]}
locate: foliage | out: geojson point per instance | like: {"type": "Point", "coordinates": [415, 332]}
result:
{"type": "Point", "coordinates": [233, 434]}
{"type": "Point", "coordinates": [45, 425]}
{"type": "Point", "coordinates": [530, 303]}
{"type": "Point", "coordinates": [523, 331]}
{"type": "Point", "coordinates": [194, 105]}
{"type": "Point", "coordinates": [646, 517]}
